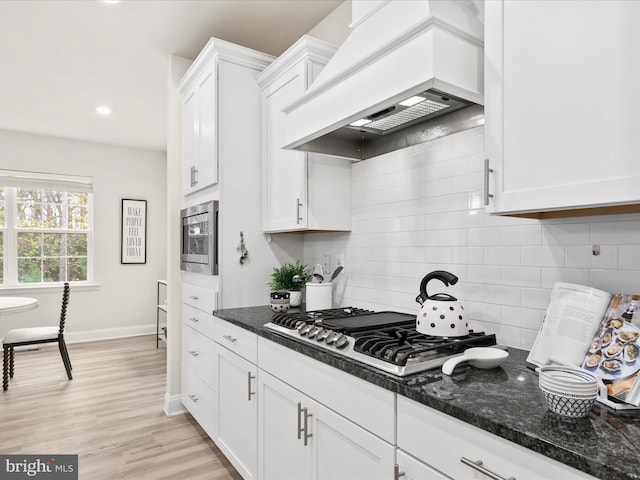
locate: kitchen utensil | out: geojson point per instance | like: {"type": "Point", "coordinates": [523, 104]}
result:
{"type": "Point", "coordinates": [479, 357]}
{"type": "Point", "coordinates": [336, 272]}
{"type": "Point", "coordinates": [441, 314]}
{"type": "Point", "coordinates": [318, 278]}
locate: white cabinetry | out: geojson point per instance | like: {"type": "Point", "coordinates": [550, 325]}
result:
{"type": "Point", "coordinates": [340, 427]}
{"type": "Point", "coordinates": [460, 450]}
{"type": "Point", "coordinates": [199, 130]}
{"type": "Point", "coordinates": [236, 373]}
{"type": "Point", "coordinates": [409, 468]}
{"type": "Point", "coordinates": [301, 191]}
{"type": "Point", "coordinates": [198, 355]}
{"type": "Point", "coordinates": [300, 438]}
{"type": "Point", "coordinates": [561, 124]}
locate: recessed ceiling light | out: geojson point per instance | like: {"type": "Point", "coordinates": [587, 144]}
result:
{"type": "Point", "coordinates": [410, 102]}
{"type": "Point", "coordinates": [102, 110]}
{"type": "Point", "coordinates": [111, 1]}
{"type": "Point", "coordinates": [361, 122]}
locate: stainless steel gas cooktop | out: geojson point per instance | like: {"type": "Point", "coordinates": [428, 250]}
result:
{"type": "Point", "coordinates": [388, 341]}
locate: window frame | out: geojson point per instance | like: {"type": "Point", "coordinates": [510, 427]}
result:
{"type": "Point", "coordinates": [10, 232]}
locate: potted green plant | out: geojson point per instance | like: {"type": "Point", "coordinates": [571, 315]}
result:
{"type": "Point", "coordinates": [290, 277]}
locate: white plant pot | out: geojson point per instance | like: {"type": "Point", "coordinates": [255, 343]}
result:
{"type": "Point", "coordinates": [295, 298]}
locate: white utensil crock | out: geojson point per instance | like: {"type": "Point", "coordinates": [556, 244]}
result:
{"type": "Point", "coordinates": [318, 296]}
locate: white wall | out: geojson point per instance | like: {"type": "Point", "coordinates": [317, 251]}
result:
{"type": "Point", "coordinates": [419, 209]}
{"type": "Point", "coordinates": [124, 301]}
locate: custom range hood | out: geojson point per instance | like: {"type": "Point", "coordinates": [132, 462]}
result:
{"type": "Point", "coordinates": [409, 72]}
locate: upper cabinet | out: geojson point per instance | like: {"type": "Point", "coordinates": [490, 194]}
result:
{"type": "Point", "coordinates": [203, 117]}
{"type": "Point", "coordinates": [301, 191]}
{"type": "Point", "coordinates": [561, 125]}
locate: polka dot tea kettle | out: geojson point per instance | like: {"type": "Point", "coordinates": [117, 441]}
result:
{"type": "Point", "coordinates": [441, 314]}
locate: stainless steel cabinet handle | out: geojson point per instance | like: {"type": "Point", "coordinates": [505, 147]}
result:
{"type": "Point", "coordinates": [307, 435]}
{"type": "Point", "coordinates": [477, 465]}
{"type": "Point", "coordinates": [300, 430]}
{"type": "Point", "coordinates": [397, 473]}
{"type": "Point", "coordinates": [195, 176]}
{"type": "Point", "coordinates": [194, 297]}
{"type": "Point", "coordinates": [191, 176]}
{"type": "Point", "coordinates": [487, 171]}
{"type": "Point", "coordinates": [194, 353]}
{"type": "Point", "coordinates": [249, 378]}
{"type": "Point", "coordinates": [230, 338]}
{"type": "Point", "coordinates": [298, 217]}
{"type": "Point", "coordinates": [193, 398]}
{"type": "Point", "coordinates": [194, 319]}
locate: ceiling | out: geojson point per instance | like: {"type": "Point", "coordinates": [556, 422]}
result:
{"type": "Point", "coordinates": [62, 58]}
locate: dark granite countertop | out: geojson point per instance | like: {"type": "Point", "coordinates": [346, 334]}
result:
{"type": "Point", "coordinates": [504, 401]}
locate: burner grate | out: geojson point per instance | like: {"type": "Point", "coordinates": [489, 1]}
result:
{"type": "Point", "coordinates": [402, 345]}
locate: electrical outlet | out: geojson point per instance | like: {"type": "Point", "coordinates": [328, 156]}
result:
{"type": "Point", "coordinates": [326, 263]}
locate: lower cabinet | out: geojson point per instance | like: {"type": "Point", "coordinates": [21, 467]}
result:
{"type": "Point", "coordinates": [197, 385]}
{"type": "Point", "coordinates": [460, 450]}
{"type": "Point", "coordinates": [237, 422]}
{"type": "Point", "coordinates": [298, 438]}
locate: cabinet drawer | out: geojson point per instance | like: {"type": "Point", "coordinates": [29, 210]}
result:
{"type": "Point", "coordinates": [203, 299]}
{"type": "Point", "coordinates": [441, 441]}
{"type": "Point", "coordinates": [237, 339]}
{"type": "Point", "coordinates": [199, 400]}
{"type": "Point", "coordinates": [198, 320]}
{"type": "Point", "coordinates": [198, 354]}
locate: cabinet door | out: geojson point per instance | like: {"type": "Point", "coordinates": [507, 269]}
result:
{"type": "Point", "coordinates": [285, 170]}
{"type": "Point", "coordinates": [343, 450]}
{"type": "Point", "coordinates": [207, 166]}
{"type": "Point", "coordinates": [561, 131]}
{"type": "Point", "coordinates": [410, 468]}
{"type": "Point", "coordinates": [190, 147]}
{"type": "Point", "coordinates": [281, 450]}
{"type": "Point", "coordinates": [236, 425]}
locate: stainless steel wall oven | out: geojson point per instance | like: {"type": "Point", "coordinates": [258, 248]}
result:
{"type": "Point", "coordinates": [199, 240]}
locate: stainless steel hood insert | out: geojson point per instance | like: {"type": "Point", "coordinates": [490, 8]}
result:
{"type": "Point", "coordinates": [432, 49]}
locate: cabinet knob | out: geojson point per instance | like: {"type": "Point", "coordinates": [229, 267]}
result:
{"type": "Point", "coordinates": [194, 353]}
{"type": "Point", "coordinates": [194, 297]}
{"type": "Point", "coordinates": [194, 319]}
{"type": "Point", "coordinates": [193, 398]}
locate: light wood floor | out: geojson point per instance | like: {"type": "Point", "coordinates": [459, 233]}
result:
{"type": "Point", "coordinates": [110, 414]}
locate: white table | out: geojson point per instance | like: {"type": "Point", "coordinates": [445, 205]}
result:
{"type": "Point", "coordinates": [17, 304]}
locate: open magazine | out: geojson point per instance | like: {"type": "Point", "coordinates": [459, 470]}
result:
{"type": "Point", "coordinates": [597, 331]}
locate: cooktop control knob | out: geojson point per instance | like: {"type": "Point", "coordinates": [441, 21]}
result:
{"type": "Point", "coordinates": [341, 341]}
{"type": "Point", "coordinates": [304, 330]}
{"type": "Point", "coordinates": [322, 335]}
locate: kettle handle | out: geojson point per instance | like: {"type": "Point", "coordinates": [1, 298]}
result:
{"type": "Point", "coordinates": [445, 277]}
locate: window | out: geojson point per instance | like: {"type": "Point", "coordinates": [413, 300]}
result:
{"type": "Point", "coordinates": [45, 229]}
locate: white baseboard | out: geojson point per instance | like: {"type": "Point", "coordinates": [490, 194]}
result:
{"type": "Point", "coordinates": [108, 333]}
{"type": "Point", "coordinates": [173, 405]}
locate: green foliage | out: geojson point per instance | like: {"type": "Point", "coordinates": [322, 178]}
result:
{"type": "Point", "coordinates": [282, 278]}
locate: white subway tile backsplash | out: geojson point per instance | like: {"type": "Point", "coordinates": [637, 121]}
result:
{"type": "Point", "coordinates": [520, 276]}
{"type": "Point", "coordinates": [583, 257]}
{"type": "Point", "coordinates": [629, 257]}
{"type": "Point", "coordinates": [502, 255]}
{"type": "Point", "coordinates": [566, 234]}
{"type": "Point", "coordinates": [521, 234]}
{"type": "Point", "coordinates": [543, 256]}
{"type": "Point", "coordinates": [551, 275]}
{"type": "Point", "coordinates": [420, 209]}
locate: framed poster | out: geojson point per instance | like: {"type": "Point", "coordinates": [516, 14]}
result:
{"type": "Point", "coordinates": [133, 231]}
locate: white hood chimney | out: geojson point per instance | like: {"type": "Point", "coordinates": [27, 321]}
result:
{"type": "Point", "coordinates": [425, 51]}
